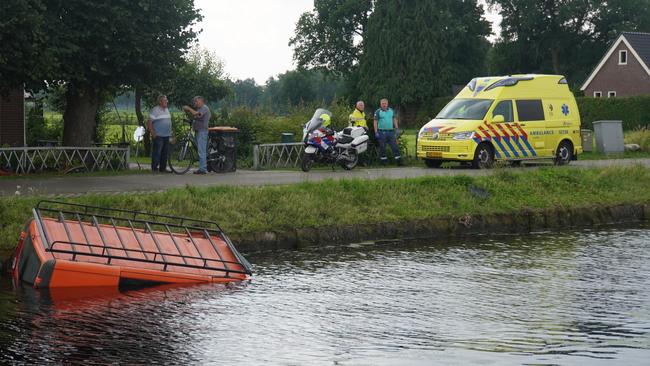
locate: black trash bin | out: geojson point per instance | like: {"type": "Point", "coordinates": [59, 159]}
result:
{"type": "Point", "coordinates": [222, 149]}
{"type": "Point", "coordinates": [287, 137]}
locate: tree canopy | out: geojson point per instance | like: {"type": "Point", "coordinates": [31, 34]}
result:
{"type": "Point", "coordinates": [93, 48]}
{"type": "Point", "coordinates": [297, 87]}
{"type": "Point", "coordinates": [22, 43]}
{"type": "Point", "coordinates": [245, 93]}
{"type": "Point", "coordinates": [561, 36]}
{"type": "Point", "coordinates": [108, 44]}
{"type": "Point", "coordinates": [200, 73]}
{"type": "Point", "coordinates": [407, 50]}
{"type": "Point", "coordinates": [330, 37]}
{"type": "Point", "coordinates": [415, 50]}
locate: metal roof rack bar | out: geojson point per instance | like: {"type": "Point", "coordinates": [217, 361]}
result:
{"type": "Point", "coordinates": [163, 263]}
{"type": "Point", "coordinates": [130, 212]}
{"type": "Point", "coordinates": [139, 223]}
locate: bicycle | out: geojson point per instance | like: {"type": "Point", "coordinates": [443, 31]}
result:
{"type": "Point", "coordinates": [184, 153]}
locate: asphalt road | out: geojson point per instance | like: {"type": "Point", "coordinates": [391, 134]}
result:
{"type": "Point", "coordinates": [76, 185]}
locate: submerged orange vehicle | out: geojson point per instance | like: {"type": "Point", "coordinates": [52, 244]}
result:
{"type": "Point", "coordinates": [71, 245]}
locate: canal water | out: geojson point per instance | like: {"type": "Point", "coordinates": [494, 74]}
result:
{"type": "Point", "coordinates": [573, 298]}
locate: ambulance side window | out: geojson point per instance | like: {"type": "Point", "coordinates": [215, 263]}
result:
{"type": "Point", "coordinates": [504, 108]}
{"type": "Point", "coordinates": [530, 110]}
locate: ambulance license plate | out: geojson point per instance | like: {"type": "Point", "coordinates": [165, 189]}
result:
{"type": "Point", "coordinates": [434, 154]}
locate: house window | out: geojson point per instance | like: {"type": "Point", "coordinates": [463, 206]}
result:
{"type": "Point", "coordinates": [622, 57]}
{"type": "Point", "coordinates": [611, 94]}
{"type": "Point", "coordinates": [598, 94]}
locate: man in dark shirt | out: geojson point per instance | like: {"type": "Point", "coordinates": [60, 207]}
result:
{"type": "Point", "coordinates": [200, 125]}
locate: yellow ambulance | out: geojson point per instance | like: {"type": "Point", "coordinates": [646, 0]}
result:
{"type": "Point", "coordinates": [510, 118]}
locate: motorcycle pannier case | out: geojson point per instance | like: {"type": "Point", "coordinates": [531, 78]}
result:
{"type": "Point", "coordinates": [360, 144]}
{"type": "Point", "coordinates": [354, 131]}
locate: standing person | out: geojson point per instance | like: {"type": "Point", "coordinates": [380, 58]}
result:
{"type": "Point", "coordinates": [201, 117]}
{"type": "Point", "coordinates": [385, 131]}
{"type": "Point", "coordinates": [160, 129]}
{"type": "Point", "coordinates": [358, 116]}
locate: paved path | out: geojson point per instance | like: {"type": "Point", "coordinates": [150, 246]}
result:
{"type": "Point", "coordinates": [72, 186]}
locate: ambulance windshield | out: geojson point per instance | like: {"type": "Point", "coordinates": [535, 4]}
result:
{"type": "Point", "coordinates": [469, 109]}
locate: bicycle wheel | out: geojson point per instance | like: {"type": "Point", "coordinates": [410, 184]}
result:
{"type": "Point", "coordinates": [181, 156]}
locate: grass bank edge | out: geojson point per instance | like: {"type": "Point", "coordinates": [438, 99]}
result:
{"type": "Point", "coordinates": [242, 210]}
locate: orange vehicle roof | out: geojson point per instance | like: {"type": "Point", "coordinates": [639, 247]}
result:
{"type": "Point", "coordinates": [135, 248]}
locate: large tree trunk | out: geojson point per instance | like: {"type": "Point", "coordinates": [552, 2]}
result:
{"type": "Point", "coordinates": [79, 116]}
{"type": "Point", "coordinates": [141, 121]}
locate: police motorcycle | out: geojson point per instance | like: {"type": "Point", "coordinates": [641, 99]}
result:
{"type": "Point", "coordinates": [324, 145]}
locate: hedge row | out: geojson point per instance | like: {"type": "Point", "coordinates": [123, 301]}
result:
{"type": "Point", "coordinates": [633, 111]}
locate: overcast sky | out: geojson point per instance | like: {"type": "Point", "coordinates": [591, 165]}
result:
{"type": "Point", "coordinates": [252, 36]}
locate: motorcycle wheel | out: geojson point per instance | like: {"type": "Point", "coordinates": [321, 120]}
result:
{"type": "Point", "coordinates": [306, 162]}
{"type": "Point", "coordinates": [349, 164]}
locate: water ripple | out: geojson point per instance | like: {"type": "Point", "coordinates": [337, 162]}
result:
{"type": "Point", "coordinates": [551, 298]}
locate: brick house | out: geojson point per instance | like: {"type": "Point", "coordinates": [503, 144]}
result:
{"type": "Point", "coordinates": [12, 118]}
{"type": "Point", "coordinates": [624, 70]}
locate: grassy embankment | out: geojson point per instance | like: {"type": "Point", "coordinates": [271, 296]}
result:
{"type": "Point", "coordinates": [252, 209]}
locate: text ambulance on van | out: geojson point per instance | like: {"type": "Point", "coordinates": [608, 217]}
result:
{"type": "Point", "coordinates": [513, 118]}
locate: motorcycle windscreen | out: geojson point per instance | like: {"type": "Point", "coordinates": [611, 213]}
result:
{"type": "Point", "coordinates": [316, 122]}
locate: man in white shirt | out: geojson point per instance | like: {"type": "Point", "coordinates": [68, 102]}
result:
{"type": "Point", "coordinates": [160, 128]}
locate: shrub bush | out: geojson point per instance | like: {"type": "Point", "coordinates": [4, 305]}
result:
{"type": "Point", "coordinates": [633, 111]}
{"type": "Point", "coordinates": [256, 127]}
{"type": "Point", "coordinates": [42, 126]}
{"type": "Point", "coordinates": [427, 112]}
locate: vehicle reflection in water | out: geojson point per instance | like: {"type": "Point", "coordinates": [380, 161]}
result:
{"type": "Point", "coordinates": [104, 324]}
{"type": "Point", "coordinates": [551, 298]}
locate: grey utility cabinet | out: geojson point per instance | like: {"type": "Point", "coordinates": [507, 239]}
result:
{"type": "Point", "coordinates": [609, 136]}
{"type": "Point", "coordinates": [587, 137]}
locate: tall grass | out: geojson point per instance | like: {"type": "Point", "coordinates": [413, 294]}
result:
{"type": "Point", "coordinates": [640, 136]}
{"type": "Point", "coordinates": [249, 209]}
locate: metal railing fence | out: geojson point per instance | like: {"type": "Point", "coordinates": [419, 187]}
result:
{"type": "Point", "coordinates": [274, 156]}
{"type": "Point", "coordinates": [21, 160]}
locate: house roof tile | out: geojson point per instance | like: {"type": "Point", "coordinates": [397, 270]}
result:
{"type": "Point", "coordinates": [641, 44]}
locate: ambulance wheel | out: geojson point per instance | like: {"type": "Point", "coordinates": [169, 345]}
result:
{"type": "Point", "coordinates": [483, 157]}
{"type": "Point", "coordinates": [307, 162]}
{"type": "Point", "coordinates": [431, 163]}
{"type": "Point", "coordinates": [564, 153]}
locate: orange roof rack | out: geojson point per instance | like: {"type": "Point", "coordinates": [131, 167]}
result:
{"type": "Point", "coordinates": [73, 245]}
